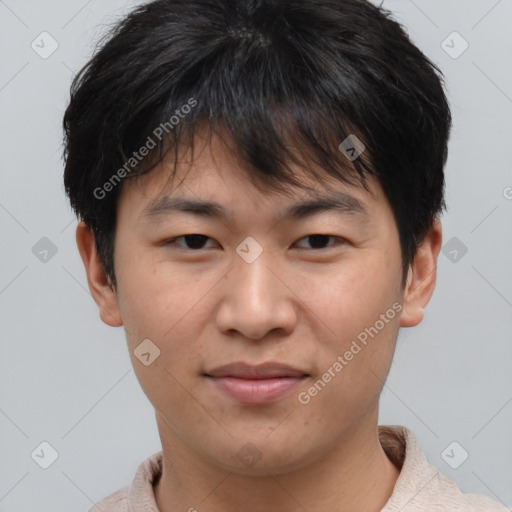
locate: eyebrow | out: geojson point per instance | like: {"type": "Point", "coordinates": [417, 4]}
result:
{"type": "Point", "coordinates": [338, 202]}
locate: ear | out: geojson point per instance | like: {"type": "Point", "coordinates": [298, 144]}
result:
{"type": "Point", "coordinates": [421, 278]}
{"type": "Point", "coordinates": [104, 295]}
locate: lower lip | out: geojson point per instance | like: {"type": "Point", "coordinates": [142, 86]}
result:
{"type": "Point", "coordinates": [257, 391]}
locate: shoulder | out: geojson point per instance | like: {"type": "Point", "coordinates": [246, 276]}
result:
{"type": "Point", "coordinates": [420, 485]}
{"type": "Point", "coordinates": [445, 495]}
{"type": "Point", "coordinates": [139, 495]}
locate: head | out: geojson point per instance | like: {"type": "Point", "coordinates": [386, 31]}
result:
{"type": "Point", "coordinates": [258, 106]}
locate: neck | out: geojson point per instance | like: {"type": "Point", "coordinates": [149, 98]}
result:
{"type": "Point", "coordinates": [355, 476]}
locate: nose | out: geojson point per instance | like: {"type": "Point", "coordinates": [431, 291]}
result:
{"type": "Point", "coordinates": [256, 300]}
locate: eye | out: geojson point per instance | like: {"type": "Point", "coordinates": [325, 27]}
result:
{"type": "Point", "coordinates": [319, 241]}
{"type": "Point", "coordinates": [196, 242]}
{"type": "Point", "coordinates": [192, 241]}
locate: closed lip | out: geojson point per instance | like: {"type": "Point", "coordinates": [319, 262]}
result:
{"type": "Point", "coordinates": [268, 370]}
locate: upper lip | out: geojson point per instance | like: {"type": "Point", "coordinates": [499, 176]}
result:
{"type": "Point", "coordinates": [243, 370]}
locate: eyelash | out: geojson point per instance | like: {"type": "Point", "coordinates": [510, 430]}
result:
{"type": "Point", "coordinates": [173, 240]}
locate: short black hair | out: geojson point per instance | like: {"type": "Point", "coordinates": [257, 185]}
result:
{"type": "Point", "coordinates": [284, 81]}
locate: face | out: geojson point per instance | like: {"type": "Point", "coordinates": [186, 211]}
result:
{"type": "Point", "coordinates": [303, 305]}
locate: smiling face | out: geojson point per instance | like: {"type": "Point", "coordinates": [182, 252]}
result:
{"type": "Point", "coordinates": [253, 286]}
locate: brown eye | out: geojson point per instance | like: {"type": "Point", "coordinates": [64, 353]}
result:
{"type": "Point", "coordinates": [319, 241]}
{"type": "Point", "coordinates": [193, 241]}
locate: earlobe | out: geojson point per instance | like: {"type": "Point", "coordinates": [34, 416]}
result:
{"type": "Point", "coordinates": [104, 295]}
{"type": "Point", "coordinates": [421, 278]}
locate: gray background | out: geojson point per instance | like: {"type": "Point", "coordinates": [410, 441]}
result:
{"type": "Point", "coordinates": [66, 378]}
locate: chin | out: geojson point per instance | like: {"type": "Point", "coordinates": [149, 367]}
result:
{"type": "Point", "coordinates": [262, 456]}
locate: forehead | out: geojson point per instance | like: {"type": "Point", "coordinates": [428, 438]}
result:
{"type": "Point", "coordinates": [214, 177]}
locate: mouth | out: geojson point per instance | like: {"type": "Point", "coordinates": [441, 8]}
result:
{"type": "Point", "coordinates": [256, 384]}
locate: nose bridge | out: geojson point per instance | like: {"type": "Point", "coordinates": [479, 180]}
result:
{"type": "Point", "coordinates": [255, 301]}
{"type": "Point", "coordinates": [254, 284]}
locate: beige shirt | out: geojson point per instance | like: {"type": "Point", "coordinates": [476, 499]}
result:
{"type": "Point", "coordinates": [419, 488]}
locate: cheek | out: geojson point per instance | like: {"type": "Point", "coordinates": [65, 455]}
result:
{"type": "Point", "coordinates": [354, 367]}
{"type": "Point", "coordinates": [358, 324]}
{"type": "Point", "coordinates": [351, 295]}
{"type": "Point", "coordinates": [166, 308]}
{"type": "Point", "coordinates": [155, 300]}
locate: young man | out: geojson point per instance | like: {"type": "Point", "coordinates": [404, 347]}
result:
{"type": "Point", "coordinates": [258, 185]}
